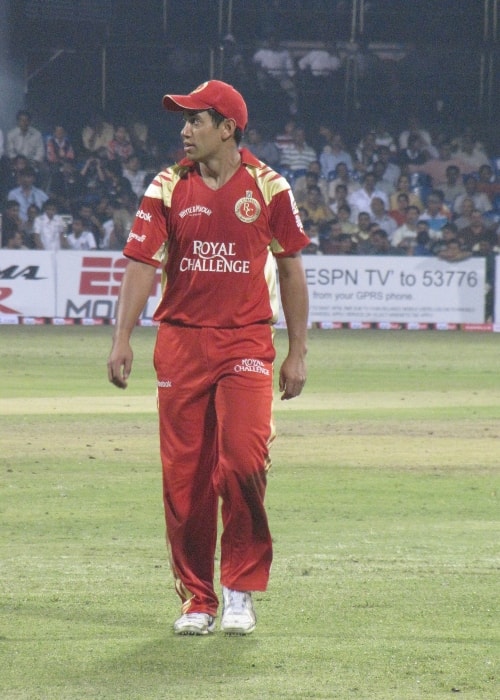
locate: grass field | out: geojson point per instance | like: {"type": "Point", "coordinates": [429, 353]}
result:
{"type": "Point", "coordinates": [383, 501]}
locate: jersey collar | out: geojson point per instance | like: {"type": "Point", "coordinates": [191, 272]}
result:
{"type": "Point", "coordinates": [247, 158]}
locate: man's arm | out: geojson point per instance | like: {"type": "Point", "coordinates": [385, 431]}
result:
{"type": "Point", "coordinates": [134, 292]}
{"type": "Point", "coordinates": [295, 302]}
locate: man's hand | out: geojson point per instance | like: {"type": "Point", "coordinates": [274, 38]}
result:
{"type": "Point", "coordinates": [120, 364]}
{"type": "Point", "coordinates": [292, 377]}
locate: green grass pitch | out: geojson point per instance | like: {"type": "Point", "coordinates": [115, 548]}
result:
{"type": "Point", "coordinates": [383, 501]}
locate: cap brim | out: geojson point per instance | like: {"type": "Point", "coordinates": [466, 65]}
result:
{"type": "Point", "coordinates": [178, 103]}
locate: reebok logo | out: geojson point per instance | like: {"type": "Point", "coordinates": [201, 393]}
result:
{"type": "Point", "coordinates": [164, 384]}
{"type": "Point", "coordinates": [143, 215]}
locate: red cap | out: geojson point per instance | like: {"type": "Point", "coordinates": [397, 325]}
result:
{"type": "Point", "coordinates": [213, 94]}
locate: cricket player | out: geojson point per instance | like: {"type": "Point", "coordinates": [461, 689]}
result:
{"type": "Point", "coordinates": [218, 223]}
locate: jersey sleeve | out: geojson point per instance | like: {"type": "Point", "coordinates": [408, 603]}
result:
{"type": "Point", "coordinates": [148, 236]}
{"type": "Point", "coordinates": [286, 226]}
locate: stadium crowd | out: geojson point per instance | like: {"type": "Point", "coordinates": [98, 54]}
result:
{"type": "Point", "coordinates": [414, 190]}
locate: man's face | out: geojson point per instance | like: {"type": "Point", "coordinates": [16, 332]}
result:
{"type": "Point", "coordinates": [377, 206]}
{"type": "Point", "coordinates": [364, 221]}
{"type": "Point", "coordinates": [370, 182]}
{"type": "Point", "coordinates": [412, 216]}
{"type": "Point", "coordinates": [201, 138]}
{"type": "Point", "coordinates": [434, 205]}
{"type": "Point", "coordinates": [23, 122]}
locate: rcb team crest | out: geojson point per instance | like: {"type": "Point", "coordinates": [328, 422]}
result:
{"type": "Point", "coordinates": [247, 209]}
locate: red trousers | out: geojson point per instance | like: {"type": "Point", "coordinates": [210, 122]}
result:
{"type": "Point", "coordinates": [215, 391]}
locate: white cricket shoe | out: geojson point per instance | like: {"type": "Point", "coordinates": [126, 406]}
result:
{"type": "Point", "coordinates": [238, 615]}
{"type": "Point", "coordinates": [194, 623]}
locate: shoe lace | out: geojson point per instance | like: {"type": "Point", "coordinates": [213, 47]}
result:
{"type": "Point", "coordinates": [237, 601]}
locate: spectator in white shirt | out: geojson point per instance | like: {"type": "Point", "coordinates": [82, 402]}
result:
{"type": "Point", "coordinates": [79, 238]}
{"type": "Point", "coordinates": [49, 228]}
{"type": "Point", "coordinates": [361, 199]}
{"type": "Point", "coordinates": [25, 140]}
{"type": "Point", "coordinates": [275, 66]}
{"type": "Point", "coordinates": [135, 175]}
{"type": "Point", "coordinates": [320, 62]}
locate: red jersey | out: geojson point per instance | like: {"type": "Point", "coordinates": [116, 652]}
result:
{"type": "Point", "coordinates": [216, 247]}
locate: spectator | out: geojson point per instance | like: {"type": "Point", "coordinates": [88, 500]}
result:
{"type": "Point", "coordinates": [477, 229]}
{"type": "Point", "coordinates": [58, 148]}
{"type": "Point", "coordinates": [342, 176]}
{"type": "Point", "coordinates": [285, 137]}
{"type": "Point", "coordinates": [450, 247]}
{"type": "Point", "coordinates": [49, 228]}
{"type": "Point", "coordinates": [346, 245]}
{"type": "Point", "coordinates": [481, 201]}
{"type": "Point", "coordinates": [380, 244]}
{"type": "Point", "coordinates": [405, 236]}
{"type": "Point", "coordinates": [315, 207]}
{"type": "Point", "coordinates": [262, 148]}
{"type": "Point", "coordinates": [488, 183]}
{"type": "Point", "coordinates": [318, 70]}
{"type": "Point", "coordinates": [234, 66]}
{"type": "Point", "coordinates": [28, 226]}
{"type": "Point", "coordinates": [379, 216]}
{"type": "Point", "coordinates": [66, 186]}
{"type": "Point", "coordinates": [13, 240]}
{"type": "Point", "coordinates": [124, 211]}
{"type": "Point", "coordinates": [344, 215]}
{"type": "Point", "coordinates": [298, 155]}
{"type": "Point", "coordinates": [436, 214]}
{"type": "Point", "coordinates": [87, 211]}
{"type": "Point", "coordinates": [275, 68]}
{"type": "Point", "coordinates": [25, 140]}
{"type": "Point", "coordinates": [320, 63]}
{"type": "Point", "coordinates": [365, 154]}
{"type": "Point", "coordinates": [97, 133]}
{"type": "Point", "coordinates": [341, 199]}
{"type": "Point", "coordinates": [11, 221]}
{"type": "Point", "coordinates": [135, 174]}
{"type": "Point", "coordinates": [115, 185]}
{"type": "Point", "coordinates": [10, 177]}
{"type": "Point", "coordinates": [26, 193]}
{"type": "Point", "coordinates": [436, 168]}
{"type": "Point", "coordinates": [311, 228]}
{"type": "Point", "coordinates": [391, 172]}
{"type": "Point", "coordinates": [423, 245]}
{"type": "Point", "coordinates": [382, 183]}
{"type": "Point", "coordinates": [312, 176]}
{"type": "Point", "coordinates": [402, 204]}
{"type": "Point", "coordinates": [79, 238]}
{"type": "Point", "coordinates": [469, 150]}
{"type": "Point", "coordinates": [330, 241]}
{"type": "Point", "coordinates": [361, 199]}
{"type": "Point", "coordinates": [333, 153]}
{"type": "Point", "coordinates": [363, 233]}
{"type": "Point", "coordinates": [413, 154]}
{"type": "Point", "coordinates": [453, 187]}
{"type": "Point", "coordinates": [383, 137]}
{"type": "Point", "coordinates": [120, 147]}
{"type": "Point", "coordinates": [92, 174]}
{"type": "Point", "coordinates": [403, 187]}
{"type": "Point", "coordinates": [464, 219]}
{"type": "Point", "coordinates": [414, 127]}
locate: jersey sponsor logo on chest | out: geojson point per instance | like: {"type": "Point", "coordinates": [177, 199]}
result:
{"type": "Point", "coordinates": [214, 256]}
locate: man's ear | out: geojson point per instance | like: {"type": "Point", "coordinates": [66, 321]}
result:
{"type": "Point", "coordinates": [228, 127]}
